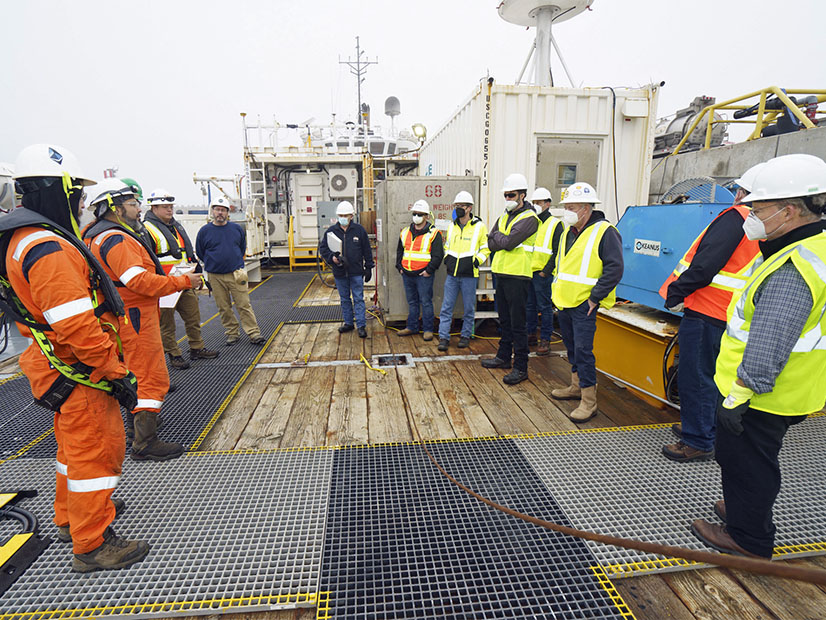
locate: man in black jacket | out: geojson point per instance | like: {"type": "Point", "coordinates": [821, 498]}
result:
{"type": "Point", "coordinates": [172, 245]}
{"type": "Point", "coordinates": [351, 259]}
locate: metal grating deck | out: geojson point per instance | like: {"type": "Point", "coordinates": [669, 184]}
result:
{"type": "Point", "coordinates": [229, 532]}
{"type": "Point", "coordinates": [201, 388]}
{"type": "Point", "coordinates": [403, 542]}
{"type": "Point", "coordinates": [616, 481]}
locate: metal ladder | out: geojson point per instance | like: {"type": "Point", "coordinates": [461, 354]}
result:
{"type": "Point", "coordinates": [256, 182]}
{"type": "Point", "coordinates": [482, 291]}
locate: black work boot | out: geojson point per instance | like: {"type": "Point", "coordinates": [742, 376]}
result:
{"type": "Point", "coordinates": [177, 361]}
{"type": "Point", "coordinates": [495, 362]}
{"type": "Point", "coordinates": [146, 446]}
{"type": "Point", "coordinates": [202, 354]}
{"type": "Point", "coordinates": [515, 376]}
{"type": "Point", "coordinates": [114, 552]}
{"type": "Point", "coordinates": [65, 536]}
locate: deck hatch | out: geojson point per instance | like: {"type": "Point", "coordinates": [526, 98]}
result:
{"type": "Point", "coordinates": [399, 360]}
{"type": "Point", "coordinates": [228, 532]}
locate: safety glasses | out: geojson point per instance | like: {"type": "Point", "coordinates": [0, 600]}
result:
{"type": "Point", "coordinates": [510, 194]}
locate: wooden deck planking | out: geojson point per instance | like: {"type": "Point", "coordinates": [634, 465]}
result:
{"type": "Point", "coordinates": [419, 396]}
{"type": "Point", "coordinates": [307, 424]}
{"type": "Point", "coordinates": [347, 421]}
{"type": "Point", "coordinates": [467, 418]}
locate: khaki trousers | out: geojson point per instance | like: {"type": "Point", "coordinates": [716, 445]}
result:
{"type": "Point", "coordinates": [227, 290]}
{"type": "Point", "coordinates": [187, 307]}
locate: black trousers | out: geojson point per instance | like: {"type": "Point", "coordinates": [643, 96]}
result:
{"type": "Point", "coordinates": [511, 296]}
{"type": "Point", "coordinates": [751, 477]}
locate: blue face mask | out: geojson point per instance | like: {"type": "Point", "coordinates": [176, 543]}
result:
{"type": "Point", "coordinates": [344, 221]}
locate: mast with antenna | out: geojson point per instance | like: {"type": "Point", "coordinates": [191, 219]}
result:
{"type": "Point", "coordinates": [358, 67]}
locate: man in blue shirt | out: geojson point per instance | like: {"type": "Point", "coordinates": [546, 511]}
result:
{"type": "Point", "coordinates": [221, 245]}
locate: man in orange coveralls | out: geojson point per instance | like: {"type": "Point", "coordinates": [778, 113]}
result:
{"type": "Point", "coordinates": [72, 365]}
{"type": "Point", "coordinates": [115, 241]}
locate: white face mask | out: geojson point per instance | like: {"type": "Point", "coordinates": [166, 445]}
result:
{"type": "Point", "coordinates": [510, 205]}
{"type": "Point", "coordinates": [569, 218]}
{"type": "Point", "coordinates": [418, 219]}
{"type": "Point", "coordinates": [344, 221]}
{"type": "Point", "coordinates": [755, 228]}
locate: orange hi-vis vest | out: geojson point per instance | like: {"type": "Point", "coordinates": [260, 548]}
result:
{"type": "Point", "coordinates": [417, 249]}
{"type": "Point", "coordinates": [713, 300]}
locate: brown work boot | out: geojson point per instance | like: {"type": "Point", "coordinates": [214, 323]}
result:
{"type": "Point", "coordinates": [176, 361]}
{"type": "Point", "coordinates": [202, 354]}
{"type": "Point", "coordinates": [717, 537]}
{"type": "Point", "coordinates": [405, 332]}
{"type": "Point", "coordinates": [572, 392]}
{"type": "Point", "coordinates": [114, 552]}
{"type": "Point", "coordinates": [146, 446]}
{"type": "Point", "coordinates": [544, 347]}
{"type": "Point", "coordinates": [681, 452]}
{"type": "Point", "coordinates": [587, 406]}
{"type": "Point", "coordinates": [65, 536]}
{"type": "Point", "coordinates": [427, 336]}
{"type": "Point", "coordinates": [720, 509]}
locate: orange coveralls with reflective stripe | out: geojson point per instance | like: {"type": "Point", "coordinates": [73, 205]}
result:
{"type": "Point", "coordinates": [51, 277]}
{"type": "Point", "coordinates": [129, 265]}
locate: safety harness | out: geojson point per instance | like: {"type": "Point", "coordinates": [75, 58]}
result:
{"type": "Point", "coordinates": [102, 226]}
{"type": "Point", "coordinates": [10, 303]}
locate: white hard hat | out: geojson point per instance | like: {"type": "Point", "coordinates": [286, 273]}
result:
{"type": "Point", "coordinates": [789, 176]}
{"type": "Point", "coordinates": [109, 188]}
{"type": "Point", "coordinates": [421, 206]}
{"type": "Point", "coordinates": [48, 160]}
{"type": "Point", "coordinates": [540, 193]}
{"type": "Point", "coordinates": [219, 201]}
{"type": "Point", "coordinates": [464, 198]}
{"type": "Point", "coordinates": [515, 182]}
{"type": "Point", "coordinates": [160, 197]}
{"type": "Point", "coordinates": [345, 208]}
{"type": "Point", "coordinates": [580, 192]}
{"type": "Point", "coordinates": [745, 182]}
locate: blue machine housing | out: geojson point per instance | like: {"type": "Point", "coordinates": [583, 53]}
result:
{"type": "Point", "coordinates": [655, 238]}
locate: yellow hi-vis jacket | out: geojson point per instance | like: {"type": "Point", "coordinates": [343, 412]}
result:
{"type": "Point", "coordinates": [161, 247]}
{"type": "Point", "coordinates": [466, 248]}
{"type": "Point", "coordinates": [542, 249]}
{"type": "Point", "coordinates": [515, 262]}
{"type": "Point", "coordinates": [800, 388]}
{"type": "Point", "coordinates": [579, 267]}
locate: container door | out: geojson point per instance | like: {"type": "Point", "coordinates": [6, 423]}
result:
{"type": "Point", "coordinates": [308, 191]}
{"type": "Point", "coordinates": [561, 162]}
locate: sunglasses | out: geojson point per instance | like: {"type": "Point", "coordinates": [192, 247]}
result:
{"type": "Point", "coordinates": [510, 194]}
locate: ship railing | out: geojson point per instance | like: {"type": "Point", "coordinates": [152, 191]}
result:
{"type": "Point", "coordinates": [762, 118]}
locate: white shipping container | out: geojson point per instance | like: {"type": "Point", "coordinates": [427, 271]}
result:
{"type": "Point", "coordinates": [554, 136]}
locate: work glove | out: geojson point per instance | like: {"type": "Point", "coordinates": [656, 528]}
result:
{"type": "Point", "coordinates": [125, 391]}
{"type": "Point", "coordinates": [731, 409]}
{"type": "Point", "coordinates": [368, 275]}
{"type": "Point", "coordinates": [677, 307]}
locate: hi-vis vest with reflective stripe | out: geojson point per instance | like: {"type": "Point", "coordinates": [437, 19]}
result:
{"type": "Point", "coordinates": [579, 268]}
{"type": "Point", "coordinates": [468, 242]}
{"type": "Point", "coordinates": [542, 246]}
{"type": "Point", "coordinates": [162, 246]}
{"type": "Point", "coordinates": [515, 262]}
{"type": "Point", "coordinates": [714, 299]}
{"type": "Point", "coordinates": [417, 249]}
{"type": "Point", "coordinates": [800, 388]}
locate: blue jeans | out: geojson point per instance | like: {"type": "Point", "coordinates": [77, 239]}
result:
{"type": "Point", "coordinates": [539, 300]}
{"type": "Point", "coordinates": [699, 346]}
{"type": "Point", "coordinates": [352, 285]}
{"type": "Point", "coordinates": [578, 329]}
{"type": "Point", "coordinates": [453, 286]}
{"type": "Point", "coordinates": [419, 293]}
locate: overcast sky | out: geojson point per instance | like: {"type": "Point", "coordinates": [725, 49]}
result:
{"type": "Point", "coordinates": [155, 87]}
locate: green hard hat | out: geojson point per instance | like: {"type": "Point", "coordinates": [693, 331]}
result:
{"type": "Point", "coordinates": [133, 183]}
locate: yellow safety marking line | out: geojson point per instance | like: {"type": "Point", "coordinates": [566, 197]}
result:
{"type": "Point", "coordinates": [304, 292]}
{"type": "Point", "coordinates": [13, 546]}
{"type": "Point", "coordinates": [606, 584]}
{"type": "Point", "coordinates": [323, 603]}
{"type": "Point", "coordinates": [634, 569]}
{"type": "Point", "coordinates": [28, 446]}
{"type": "Point", "coordinates": [308, 599]}
{"type": "Point", "coordinates": [5, 498]}
{"type": "Point", "coordinates": [235, 389]}
{"type": "Point", "coordinates": [16, 375]}
{"type": "Point", "coordinates": [181, 339]}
